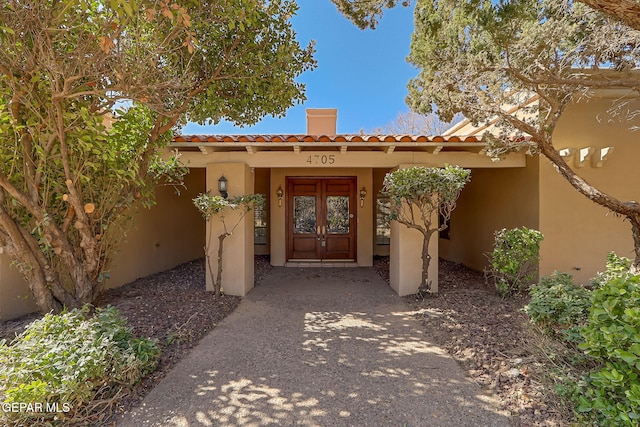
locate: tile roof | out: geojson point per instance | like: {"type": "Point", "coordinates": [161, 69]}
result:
{"type": "Point", "coordinates": [324, 138]}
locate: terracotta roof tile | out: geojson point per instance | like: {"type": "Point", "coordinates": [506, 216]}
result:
{"type": "Point", "coordinates": [327, 138]}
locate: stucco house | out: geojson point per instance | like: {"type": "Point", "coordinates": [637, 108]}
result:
{"type": "Point", "coordinates": [322, 188]}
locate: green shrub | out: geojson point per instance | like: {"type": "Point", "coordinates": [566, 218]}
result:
{"type": "Point", "coordinates": [610, 395]}
{"type": "Point", "coordinates": [559, 306]}
{"type": "Point", "coordinates": [616, 266]}
{"type": "Point", "coordinates": [62, 363]}
{"type": "Point", "coordinates": [514, 259]}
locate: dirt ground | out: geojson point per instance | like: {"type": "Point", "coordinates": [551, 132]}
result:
{"type": "Point", "coordinates": [489, 336]}
{"type": "Point", "coordinates": [492, 340]}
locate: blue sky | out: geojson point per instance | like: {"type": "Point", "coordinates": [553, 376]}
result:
{"type": "Point", "coordinates": [362, 73]}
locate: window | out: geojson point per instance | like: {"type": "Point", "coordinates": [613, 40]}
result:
{"type": "Point", "coordinates": [383, 232]}
{"type": "Point", "coordinates": [260, 224]}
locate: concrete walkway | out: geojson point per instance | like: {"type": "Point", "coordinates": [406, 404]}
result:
{"type": "Point", "coordinates": [318, 347]}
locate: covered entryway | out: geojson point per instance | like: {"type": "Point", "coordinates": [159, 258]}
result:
{"type": "Point", "coordinates": [319, 187]}
{"type": "Point", "coordinates": [321, 217]}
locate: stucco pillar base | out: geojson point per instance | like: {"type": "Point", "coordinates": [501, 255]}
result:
{"type": "Point", "coordinates": [237, 258]}
{"type": "Point", "coordinates": [405, 261]}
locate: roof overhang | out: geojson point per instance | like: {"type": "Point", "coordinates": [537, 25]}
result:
{"type": "Point", "coordinates": [344, 150]}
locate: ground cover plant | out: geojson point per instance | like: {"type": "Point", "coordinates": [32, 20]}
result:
{"type": "Point", "coordinates": [597, 328]}
{"type": "Point", "coordinates": [71, 368]}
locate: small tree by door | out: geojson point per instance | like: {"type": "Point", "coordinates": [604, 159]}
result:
{"type": "Point", "coordinates": [216, 206]}
{"type": "Point", "coordinates": [415, 194]}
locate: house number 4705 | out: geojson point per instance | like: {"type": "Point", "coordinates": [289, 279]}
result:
{"type": "Point", "coordinates": [324, 159]}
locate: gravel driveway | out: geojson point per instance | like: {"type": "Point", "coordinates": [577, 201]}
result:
{"type": "Point", "coordinates": [318, 347]}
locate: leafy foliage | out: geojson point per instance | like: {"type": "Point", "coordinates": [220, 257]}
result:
{"type": "Point", "coordinates": [559, 306]}
{"type": "Point", "coordinates": [611, 394]}
{"type": "Point", "coordinates": [616, 266]}
{"type": "Point", "coordinates": [514, 259]}
{"type": "Point", "coordinates": [72, 359]}
{"type": "Point", "coordinates": [602, 330]}
{"type": "Point", "coordinates": [415, 194]}
{"type": "Point", "coordinates": [365, 14]}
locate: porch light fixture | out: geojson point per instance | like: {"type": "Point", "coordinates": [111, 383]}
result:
{"type": "Point", "coordinates": [279, 193]}
{"type": "Point", "coordinates": [363, 194]}
{"type": "Point", "coordinates": [222, 186]}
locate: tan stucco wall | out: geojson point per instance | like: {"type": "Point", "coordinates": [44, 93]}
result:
{"type": "Point", "coordinates": [364, 244]}
{"type": "Point", "coordinates": [167, 235]}
{"type": "Point", "coordinates": [15, 296]}
{"type": "Point", "coordinates": [579, 233]}
{"type": "Point", "coordinates": [494, 199]}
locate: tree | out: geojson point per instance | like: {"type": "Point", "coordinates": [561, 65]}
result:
{"type": "Point", "coordinates": [411, 123]}
{"type": "Point", "coordinates": [216, 206]}
{"type": "Point", "coordinates": [366, 13]}
{"type": "Point", "coordinates": [416, 194]}
{"type": "Point", "coordinates": [476, 57]}
{"type": "Point", "coordinates": [68, 179]}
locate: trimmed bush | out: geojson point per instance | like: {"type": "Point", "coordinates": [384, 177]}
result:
{"type": "Point", "coordinates": [67, 366]}
{"type": "Point", "coordinates": [610, 395]}
{"type": "Point", "coordinates": [559, 306]}
{"type": "Point", "coordinates": [514, 259]}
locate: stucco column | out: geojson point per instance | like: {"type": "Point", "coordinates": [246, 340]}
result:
{"type": "Point", "coordinates": [405, 257]}
{"type": "Point", "coordinates": [237, 258]}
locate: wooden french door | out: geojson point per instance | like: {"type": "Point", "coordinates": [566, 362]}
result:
{"type": "Point", "coordinates": [321, 218]}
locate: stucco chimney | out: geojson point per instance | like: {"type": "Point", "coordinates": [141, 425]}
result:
{"type": "Point", "coordinates": [321, 121]}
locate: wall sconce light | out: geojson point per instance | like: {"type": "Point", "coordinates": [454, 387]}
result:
{"type": "Point", "coordinates": [363, 194]}
{"type": "Point", "coordinates": [279, 193]}
{"type": "Point", "coordinates": [222, 186]}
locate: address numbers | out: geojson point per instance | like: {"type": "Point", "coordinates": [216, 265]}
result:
{"type": "Point", "coordinates": [321, 159]}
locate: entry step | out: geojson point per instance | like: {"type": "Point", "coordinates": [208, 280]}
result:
{"type": "Point", "coordinates": [332, 264]}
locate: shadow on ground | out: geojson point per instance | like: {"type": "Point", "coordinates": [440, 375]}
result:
{"type": "Point", "coordinates": [318, 347]}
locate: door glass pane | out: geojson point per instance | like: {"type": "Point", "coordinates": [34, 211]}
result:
{"type": "Point", "coordinates": [304, 214]}
{"type": "Point", "coordinates": [338, 214]}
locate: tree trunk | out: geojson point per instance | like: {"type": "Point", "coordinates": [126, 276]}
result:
{"type": "Point", "coordinates": [425, 283]}
{"type": "Point", "coordinates": [217, 285]}
{"type": "Point", "coordinates": [635, 230]}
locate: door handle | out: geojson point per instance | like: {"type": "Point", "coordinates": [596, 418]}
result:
{"type": "Point", "coordinates": [318, 231]}
{"type": "Point", "coordinates": [324, 231]}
